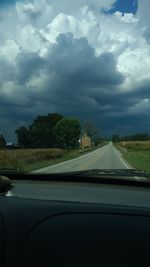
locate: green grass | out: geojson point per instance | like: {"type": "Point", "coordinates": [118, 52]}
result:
{"type": "Point", "coordinates": [32, 159]}
{"type": "Point", "coordinates": [138, 155]}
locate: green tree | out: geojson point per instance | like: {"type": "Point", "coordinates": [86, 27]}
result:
{"type": "Point", "coordinates": [68, 132]}
{"type": "Point", "coordinates": [40, 133]}
{"type": "Point", "coordinates": [140, 137]}
{"type": "Point", "coordinates": [23, 136]}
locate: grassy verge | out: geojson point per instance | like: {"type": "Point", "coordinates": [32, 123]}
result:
{"type": "Point", "coordinates": [32, 159]}
{"type": "Point", "coordinates": [138, 155]}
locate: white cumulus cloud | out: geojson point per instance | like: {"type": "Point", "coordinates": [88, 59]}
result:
{"type": "Point", "coordinates": [64, 48]}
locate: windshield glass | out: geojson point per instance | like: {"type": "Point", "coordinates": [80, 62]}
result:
{"type": "Point", "coordinates": [74, 85]}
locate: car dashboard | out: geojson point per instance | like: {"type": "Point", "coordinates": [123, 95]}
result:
{"type": "Point", "coordinates": [75, 224]}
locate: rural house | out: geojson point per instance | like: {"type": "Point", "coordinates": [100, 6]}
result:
{"type": "Point", "coordinates": [86, 141]}
{"type": "Point", "coordinates": [11, 145]}
{"type": "Point", "coordinates": [2, 142]}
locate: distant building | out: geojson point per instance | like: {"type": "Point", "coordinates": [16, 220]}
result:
{"type": "Point", "coordinates": [2, 142]}
{"type": "Point", "coordinates": [11, 145]}
{"type": "Point", "coordinates": [86, 141]}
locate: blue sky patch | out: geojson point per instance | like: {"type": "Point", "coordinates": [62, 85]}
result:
{"type": "Point", "coordinates": [7, 2]}
{"type": "Point", "coordinates": [124, 6]}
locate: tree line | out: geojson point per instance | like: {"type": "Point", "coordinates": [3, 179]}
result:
{"type": "Point", "coordinates": [134, 137]}
{"type": "Point", "coordinates": [52, 130]}
{"type": "Point", "coordinates": [55, 130]}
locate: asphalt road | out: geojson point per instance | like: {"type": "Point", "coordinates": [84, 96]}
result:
{"type": "Point", "coordinates": [106, 157]}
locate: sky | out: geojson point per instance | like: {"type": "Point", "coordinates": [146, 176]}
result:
{"type": "Point", "coordinates": [124, 6]}
{"type": "Point", "coordinates": [82, 58]}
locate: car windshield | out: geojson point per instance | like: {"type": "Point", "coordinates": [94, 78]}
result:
{"type": "Point", "coordinates": [74, 85]}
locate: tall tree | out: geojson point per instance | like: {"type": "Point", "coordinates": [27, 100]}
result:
{"type": "Point", "coordinates": [42, 130]}
{"type": "Point", "coordinates": [40, 133]}
{"type": "Point", "coordinates": [68, 132]}
{"type": "Point", "coordinates": [91, 130]}
{"type": "Point", "coordinates": [23, 136]}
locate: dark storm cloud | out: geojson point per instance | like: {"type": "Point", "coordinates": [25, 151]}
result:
{"type": "Point", "coordinates": [127, 123]}
{"type": "Point", "coordinates": [122, 100]}
{"type": "Point", "coordinates": [75, 83]}
{"type": "Point", "coordinates": [78, 80]}
{"type": "Point", "coordinates": [7, 72]}
{"type": "Point", "coordinates": [142, 91]}
{"type": "Point", "coordinates": [28, 64]}
{"type": "Point", "coordinates": [72, 69]}
{"type": "Point", "coordinates": [75, 60]}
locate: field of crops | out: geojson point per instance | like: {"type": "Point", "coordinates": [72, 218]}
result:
{"type": "Point", "coordinates": [136, 145]}
{"type": "Point", "coordinates": [18, 159]}
{"type": "Point", "coordinates": [32, 159]}
{"type": "Point", "coordinates": [137, 153]}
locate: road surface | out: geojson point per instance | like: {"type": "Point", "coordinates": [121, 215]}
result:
{"type": "Point", "coordinates": [106, 157]}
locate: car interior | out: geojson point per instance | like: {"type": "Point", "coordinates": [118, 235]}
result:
{"type": "Point", "coordinates": [83, 232]}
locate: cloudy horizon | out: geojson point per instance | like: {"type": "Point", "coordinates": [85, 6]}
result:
{"type": "Point", "coordinates": [88, 59]}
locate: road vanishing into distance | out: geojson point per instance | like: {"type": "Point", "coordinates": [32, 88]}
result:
{"type": "Point", "coordinates": [106, 157]}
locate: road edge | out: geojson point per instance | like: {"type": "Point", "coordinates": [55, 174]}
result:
{"type": "Point", "coordinates": [119, 154]}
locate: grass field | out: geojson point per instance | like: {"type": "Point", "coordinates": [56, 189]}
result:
{"type": "Point", "coordinates": [137, 154]}
{"type": "Point", "coordinates": [31, 159]}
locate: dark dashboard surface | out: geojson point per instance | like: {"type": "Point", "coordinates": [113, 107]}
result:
{"type": "Point", "coordinates": [74, 224]}
{"type": "Point", "coordinates": [53, 233]}
{"type": "Point", "coordinates": [83, 192]}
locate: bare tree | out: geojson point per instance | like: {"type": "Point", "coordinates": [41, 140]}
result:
{"type": "Point", "coordinates": [91, 130]}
